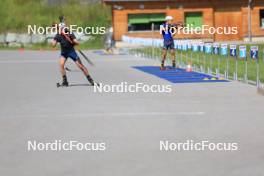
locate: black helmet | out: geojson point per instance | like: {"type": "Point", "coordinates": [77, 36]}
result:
{"type": "Point", "coordinates": [61, 18]}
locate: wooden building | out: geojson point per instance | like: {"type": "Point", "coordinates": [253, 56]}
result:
{"type": "Point", "coordinates": [136, 17]}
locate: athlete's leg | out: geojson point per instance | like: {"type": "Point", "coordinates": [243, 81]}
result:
{"type": "Point", "coordinates": [79, 64]}
{"type": "Point", "coordinates": [172, 51]}
{"type": "Point", "coordinates": [84, 70]}
{"type": "Point", "coordinates": [164, 54]}
{"type": "Point", "coordinates": [62, 65]}
{"type": "Point", "coordinates": [62, 70]}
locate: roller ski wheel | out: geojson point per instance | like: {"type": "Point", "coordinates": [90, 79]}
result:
{"type": "Point", "coordinates": [95, 84]}
{"type": "Point", "coordinates": [162, 68]}
{"type": "Point", "coordinates": [62, 84]}
{"type": "Point", "coordinates": [92, 83]}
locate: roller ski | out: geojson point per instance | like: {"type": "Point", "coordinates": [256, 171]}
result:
{"type": "Point", "coordinates": [173, 67]}
{"type": "Point", "coordinates": [64, 82]}
{"type": "Point", "coordinates": [91, 81]}
{"type": "Point", "coordinates": [162, 68]}
{"type": "Point", "coordinates": [62, 85]}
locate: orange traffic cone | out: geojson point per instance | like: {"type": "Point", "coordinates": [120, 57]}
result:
{"type": "Point", "coordinates": [189, 67]}
{"type": "Point", "coordinates": [21, 49]}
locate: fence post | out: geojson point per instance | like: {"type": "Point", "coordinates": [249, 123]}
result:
{"type": "Point", "coordinates": [235, 72]}
{"type": "Point", "coordinates": [227, 68]}
{"type": "Point", "coordinates": [198, 62]}
{"type": "Point", "coordinates": [257, 80]}
{"type": "Point", "coordinates": [181, 60]}
{"type": "Point", "coordinates": [152, 45]}
{"type": "Point", "coordinates": [204, 63]}
{"type": "Point", "coordinates": [246, 70]}
{"type": "Point", "coordinates": [211, 64]}
{"type": "Point", "coordinates": [201, 63]}
{"type": "Point", "coordinates": [218, 66]}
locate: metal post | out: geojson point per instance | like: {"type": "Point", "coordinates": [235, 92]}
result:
{"type": "Point", "coordinates": [246, 71]}
{"type": "Point", "coordinates": [150, 53]}
{"type": "Point", "coordinates": [218, 67]}
{"type": "Point", "coordinates": [257, 80]}
{"type": "Point", "coordinates": [198, 62]}
{"type": "Point", "coordinates": [204, 68]}
{"type": "Point", "coordinates": [192, 59]}
{"type": "Point", "coordinates": [152, 44]}
{"type": "Point", "coordinates": [249, 21]}
{"type": "Point", "coordinates": [211, 63]}
{"type": "Point", "coordinates": [227, 68]}
{"type": "Point", "coordinates": [186, 59]}
{"type": "Point", "coordinates": [235, 74]}
{"type": "Point", "coordinates": [262, 55]}
{"type": "Point", "coordinates": [181, 60]}
{"type": "Point", "coordinates": [177, 58]}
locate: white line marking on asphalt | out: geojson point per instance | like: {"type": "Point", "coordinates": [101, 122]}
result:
{"type": "Point", "coordinates": [112, 114]}
{"type": "Point", "coordinates": [28, 61]}
{"type": "Point", "coordinates": [147, 114]}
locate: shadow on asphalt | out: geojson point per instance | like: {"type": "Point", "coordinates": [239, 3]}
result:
{"type": "Point", "coordinates": [79, 85]}
{"type": "Point", "coordinates": [75, 85]}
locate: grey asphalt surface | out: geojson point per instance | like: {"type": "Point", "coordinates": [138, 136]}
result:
{"type": "Point", "coordinates": [131, 124]}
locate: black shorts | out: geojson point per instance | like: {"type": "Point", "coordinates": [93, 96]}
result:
{"type": "Point", "coordinates": [71, 54]}
{"type": "Point", "coordinates": [168, 44]}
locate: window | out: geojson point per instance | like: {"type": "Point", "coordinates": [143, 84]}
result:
{"type": "Point", "coordinates": [193, 19]}
{"type": "Point", "coordinates": [261, 15]}
{"type": "Point", "coordinates": [143, 22]}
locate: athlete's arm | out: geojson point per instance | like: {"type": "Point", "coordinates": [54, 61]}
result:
{"type": "Point", "coordinates": [75, 42]}
{"type": "Point", "coordinates": [54, 43]}
{"type": "Point", "coordinates": [55, 40]}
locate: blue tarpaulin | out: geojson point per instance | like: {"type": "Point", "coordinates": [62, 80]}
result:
{"type": "Point", "coordinates": [179, 75]}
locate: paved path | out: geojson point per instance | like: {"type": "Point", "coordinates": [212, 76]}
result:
{"type": "Point", "coordinates": [132, 125]}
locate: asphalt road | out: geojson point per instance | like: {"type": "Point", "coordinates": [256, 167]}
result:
{"type": "Point", "coordinates": [130, 124]}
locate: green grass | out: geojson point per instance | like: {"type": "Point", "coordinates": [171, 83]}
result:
{"type": "Point", "coordinates": [95, 43]}
{"type": "Point", "coordinates": [213, 62]}
{"type": "Point", "coordinates": [16, 15]}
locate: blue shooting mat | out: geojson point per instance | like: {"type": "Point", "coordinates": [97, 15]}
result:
{"type": "Point", "coordinates": [179, 75]}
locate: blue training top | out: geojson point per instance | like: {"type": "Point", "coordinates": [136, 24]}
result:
{"type": "Point", "coordinates": [166, 34]}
